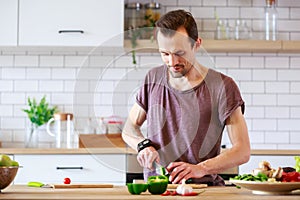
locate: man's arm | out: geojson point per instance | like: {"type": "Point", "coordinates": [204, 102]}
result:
{"type": "Point", "coordinates": [238, 154]}
{"type": "Point", "coordinates": [131, 133]}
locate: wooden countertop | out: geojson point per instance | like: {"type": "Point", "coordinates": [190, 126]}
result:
{"type": "Point", "coordinates": [41, 151]}
{"type": "Point", "coordinates": [234, 46]}
{"type": "Point", "coordinates": [123, 151]}
{"type": "Point", "coordinates": [120, 192]}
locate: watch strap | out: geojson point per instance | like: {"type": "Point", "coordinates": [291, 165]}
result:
{"type": "Point", "coordinates": [144, 144]}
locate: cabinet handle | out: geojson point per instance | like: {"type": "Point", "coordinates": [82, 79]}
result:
{"type": "Point", "coordinates": [70, 31]}
{"type": "Point", "coordinates": [62, 168]}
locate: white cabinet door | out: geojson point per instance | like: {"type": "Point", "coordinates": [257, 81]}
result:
{"type": "Point", "coordinates": [274, 160]}
{"type": "Point", "coordinates": [8, 22]}
{"type": "Point", "coordinates": [71, 22]}
{"type": "Point", "coordinates": [99, 168]}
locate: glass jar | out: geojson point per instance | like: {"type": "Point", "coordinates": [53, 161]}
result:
{"type": "Point", "coordinates": [152, 14]}
{"type": "Point", "coordinates": [134, 15]}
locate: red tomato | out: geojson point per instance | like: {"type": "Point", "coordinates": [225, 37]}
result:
{"type": "Point", "coordinates": [67, 180]}
{"type": "Point", "coordinates": [290, 177]}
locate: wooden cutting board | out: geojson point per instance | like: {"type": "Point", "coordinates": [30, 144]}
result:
{"type": "Point", "coordinates": [194, 186]}
{"type": "Point", "coordinates": [58, 186]}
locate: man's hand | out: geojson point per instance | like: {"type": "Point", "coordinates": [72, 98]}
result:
{"type": "Point", "coordinates": [183, 170]}
{"type": "Point", "coordinates": [147, 156]}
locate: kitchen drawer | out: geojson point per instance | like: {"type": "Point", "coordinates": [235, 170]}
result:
{"type": "Point", "coordinates": [98, 168]}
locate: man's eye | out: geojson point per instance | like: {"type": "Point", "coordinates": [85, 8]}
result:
{"type": "Point", "coordinates": [179, 54]}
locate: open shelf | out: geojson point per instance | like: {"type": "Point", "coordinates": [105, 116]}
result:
{"type": "Point", "coordinates": [236, 46]}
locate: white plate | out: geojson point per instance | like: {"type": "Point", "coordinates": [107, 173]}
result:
{"type": "Point", "coordinates": [268, 187]}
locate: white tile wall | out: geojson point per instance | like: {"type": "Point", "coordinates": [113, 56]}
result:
{"type": "Point", "coordinates": [105, 82]}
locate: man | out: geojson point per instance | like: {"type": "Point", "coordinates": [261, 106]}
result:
{"type": "Point", "coordinates": [186, 106]}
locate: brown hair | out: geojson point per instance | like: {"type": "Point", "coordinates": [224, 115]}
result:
{"type": "Point", "coordinates": [169, 23]}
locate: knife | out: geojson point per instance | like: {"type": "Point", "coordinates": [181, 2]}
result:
{"type": "Point", "coordinates": [161, 170]}
{"type": "Point", "coordinates": [39, 184]}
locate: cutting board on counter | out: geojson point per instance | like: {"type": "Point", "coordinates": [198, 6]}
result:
{"type": "Point", "coordinates": [87, 185]}
{"type": "Point", "coordinates": [101, 140]}
{"type": "Point", "coordinates": [194, 186]}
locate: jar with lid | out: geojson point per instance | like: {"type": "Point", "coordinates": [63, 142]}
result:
{"type": "Point", "coordinates": [134, 16]}
{"type": "Point", "coordinates": [152, 14]}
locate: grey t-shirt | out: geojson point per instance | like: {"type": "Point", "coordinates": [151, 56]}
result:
{"type": "Point", "coordinates": [188, 125]}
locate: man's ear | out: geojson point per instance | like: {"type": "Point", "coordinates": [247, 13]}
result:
{"type": "Point", "coordinates": [198, 43]}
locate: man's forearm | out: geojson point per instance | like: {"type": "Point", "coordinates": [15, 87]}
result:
{"type": "Point", "coordinates": [132, 135]}
{"type": "Point", "coordinates": [229, 158]}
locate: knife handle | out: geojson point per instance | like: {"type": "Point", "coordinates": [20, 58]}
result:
{"type": "Point", "coordinates": [62, 168]}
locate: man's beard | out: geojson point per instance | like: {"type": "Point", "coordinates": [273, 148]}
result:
{"type": "Point", "coordinates": [180, 73]}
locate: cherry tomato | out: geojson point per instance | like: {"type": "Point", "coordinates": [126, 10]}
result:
{"type": "Point", "coordinates": [67, 180]}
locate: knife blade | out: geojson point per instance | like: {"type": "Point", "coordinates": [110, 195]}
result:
{"type": "Point", "coordinates": [161, 170]}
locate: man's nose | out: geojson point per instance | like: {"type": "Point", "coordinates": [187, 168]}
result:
{"type": "Point", "coordinates": [173, 60]}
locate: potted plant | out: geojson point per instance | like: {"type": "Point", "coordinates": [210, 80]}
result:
{"type": "Point", "coordinates": [38, 114]}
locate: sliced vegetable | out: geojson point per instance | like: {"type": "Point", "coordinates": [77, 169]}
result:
{"type": "Point", "coordinates": [137, 188]}
{"type": "Point", "coordinates": [249, 177]}
{"type": "Point", "coordinates": [290, 177]}
{"type": "Point", "coordinates": [157, 184]}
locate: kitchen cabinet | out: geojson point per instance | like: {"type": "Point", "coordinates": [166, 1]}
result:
{"type": "Point", "coordinates": [96, 168]}
{"type": "Point", "coordinates": [71, 22]}
{"type": "Point", "coordinates": [8, 22]}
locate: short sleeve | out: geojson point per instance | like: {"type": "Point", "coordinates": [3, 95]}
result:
{"type": "Point", "coordinates": [142, 95]}
{"type": "Point", "coordinates": [230, 99]}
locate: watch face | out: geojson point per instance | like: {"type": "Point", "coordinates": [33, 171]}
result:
{"type": "Point", "coordinates": [145, 142]}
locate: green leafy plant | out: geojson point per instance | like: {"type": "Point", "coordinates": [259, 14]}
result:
{"type": "Point", "coordinates": [39, 113]}
{"type": "Point", "coordinates": [135, 34]}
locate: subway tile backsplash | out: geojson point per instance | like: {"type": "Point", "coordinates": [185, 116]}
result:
{"type": "Point", "coordinates": [104, 82]}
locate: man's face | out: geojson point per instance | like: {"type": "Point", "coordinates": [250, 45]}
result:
{"type": "Point", "coordinates": [177, 52]}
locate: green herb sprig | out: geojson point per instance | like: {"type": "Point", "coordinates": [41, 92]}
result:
{"type": "Point", "coordinates": [39, 113]}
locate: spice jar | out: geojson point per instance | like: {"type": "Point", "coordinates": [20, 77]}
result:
{"type": "Point", "coordinates": [152, 14]}
{"type": "Point", "coordinates": [134, 16]}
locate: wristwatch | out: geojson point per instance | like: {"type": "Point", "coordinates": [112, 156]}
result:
{"type": "Point", "coordinates": [143, 144]}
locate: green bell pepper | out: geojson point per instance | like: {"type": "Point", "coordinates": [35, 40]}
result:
{"type": "Point", "coordinates": [137, 188]}
{"type": "Point", "coordinates": [157, 184]}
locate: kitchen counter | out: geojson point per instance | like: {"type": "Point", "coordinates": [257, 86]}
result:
{"type": "Point", "coordinates": [42, 151]}
{"type": "Point", "coordinates": [120, 192]}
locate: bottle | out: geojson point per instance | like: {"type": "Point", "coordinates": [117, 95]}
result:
{"type": "Point", "coordinates": [271, 16]}
{"type": "Point", "coordinates": [219, 30]}
{"type": "Point", "coordinates": [237, 30]}
{"type": "Point", "coordinates": [245, 33]}
{"type": "Point", "coordinates": [228, 31]}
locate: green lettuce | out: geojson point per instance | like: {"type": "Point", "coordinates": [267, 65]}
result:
{"type": "Point", "coordinates": [297, 166]}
